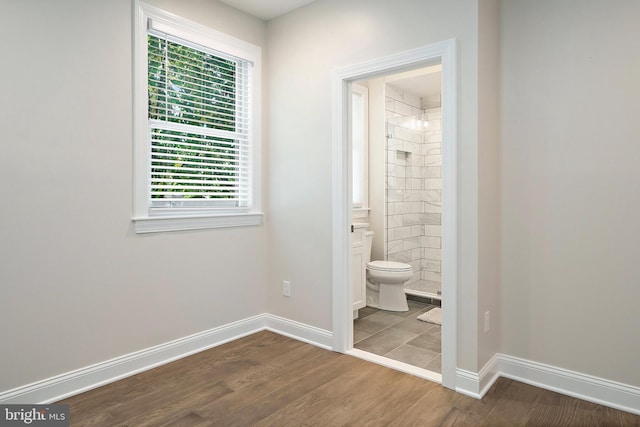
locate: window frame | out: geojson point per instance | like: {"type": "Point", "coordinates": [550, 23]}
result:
{"type": "Point", "coordinates": [145, 220]}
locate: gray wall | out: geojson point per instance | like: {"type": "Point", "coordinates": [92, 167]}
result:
{"type": "Point", "coordinates": [78, 285]}
{"type": "Point", "coordinates": [554, 264]}
{"type": "Point", "coordinates": [304, 48]}
{"type": "Point", "coordinates": [489, 280]}
{"type": "Point", "coordinates": [569, 175]}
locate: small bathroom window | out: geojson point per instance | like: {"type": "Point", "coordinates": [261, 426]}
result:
{"type": "Point", "coordinates": [360, 144]}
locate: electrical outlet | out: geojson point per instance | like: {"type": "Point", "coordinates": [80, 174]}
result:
{"type": "Point", "coordinates": [487, 322]}
{"type": "Point", "coordinates": [286, 288]}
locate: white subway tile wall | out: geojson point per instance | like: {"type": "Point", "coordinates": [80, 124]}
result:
{"type": "Point", "coordinates": [414, 188]}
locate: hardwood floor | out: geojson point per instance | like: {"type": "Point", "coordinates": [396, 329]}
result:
{"type": "Point", "coordinates": [271, 380]}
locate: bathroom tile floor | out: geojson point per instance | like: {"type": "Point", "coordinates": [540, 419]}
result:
{"type": "Point", "coordinates": [399, 336]}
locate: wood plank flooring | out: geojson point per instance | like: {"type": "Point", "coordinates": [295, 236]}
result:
{"type": "Point", "coordinates": [270, 380]}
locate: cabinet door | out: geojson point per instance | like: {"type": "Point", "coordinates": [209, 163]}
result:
{"type": "Point", "coordinates": [358, 279]}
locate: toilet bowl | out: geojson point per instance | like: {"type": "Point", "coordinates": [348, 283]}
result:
{"type": "Point", "coordinates": [385, 285]}
{"type": "Point", "coordinates": [385, 281]}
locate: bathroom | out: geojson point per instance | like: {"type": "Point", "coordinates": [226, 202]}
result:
{"type": "Point", "coordinates": [397, 198]}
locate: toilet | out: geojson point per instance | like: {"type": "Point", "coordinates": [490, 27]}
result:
{"type": "Point", "coordinates": [385, 281]}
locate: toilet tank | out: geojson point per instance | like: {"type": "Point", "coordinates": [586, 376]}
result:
{"type": "Point", "coordinates": [368, 241]}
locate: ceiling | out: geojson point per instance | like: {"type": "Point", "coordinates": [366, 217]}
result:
{"type": "Point", "coordinates": [424, 82]}
{"type": "Point", "coordinates": [266, 9]}
{"type": "Point", "coordinates": [425, 86]}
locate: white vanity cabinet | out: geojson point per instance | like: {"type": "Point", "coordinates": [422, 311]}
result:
{"type": "Point", "coordinates": [358, 267]}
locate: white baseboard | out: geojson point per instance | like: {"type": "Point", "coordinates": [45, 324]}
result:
{"type": "Point", "coordinates": [586, 387]}
{"type": "Point", "coordinates": [582, 386]}
{"type": "Point", "coordinates": [84, 379]}
{"type": "Point", "coordinates": [299, 331]}
{"type": "Point", "coordinates": [477, 384]}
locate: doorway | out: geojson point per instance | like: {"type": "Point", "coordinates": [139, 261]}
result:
{"type": "Point", "coordinates": [397, 200]}
{"type": "Point", "coordinates": [442, 54]}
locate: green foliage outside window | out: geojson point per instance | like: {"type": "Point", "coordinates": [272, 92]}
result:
{"type": "Point", "coordinates": [190, 87]}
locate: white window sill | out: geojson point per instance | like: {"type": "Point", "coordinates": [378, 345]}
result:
{"type": "Point", "coordinates": [360, 212]}
{"type": "Point", "coordinates": [172, 223]}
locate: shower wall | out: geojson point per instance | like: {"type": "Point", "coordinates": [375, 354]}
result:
{"type": "Point", "coordinates": [414, 188]}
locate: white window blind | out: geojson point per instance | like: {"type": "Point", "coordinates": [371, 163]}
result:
{"type": "Point", "coordinates": [198, 121]}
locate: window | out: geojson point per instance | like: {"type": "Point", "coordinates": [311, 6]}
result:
{"type": "Point", "coordinates": [196, 145]}
{"type": "Point", "coordinates": [360, 147]}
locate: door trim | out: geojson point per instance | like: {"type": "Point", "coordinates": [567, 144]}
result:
{"type": "Point", "coordinates": [444, 52]}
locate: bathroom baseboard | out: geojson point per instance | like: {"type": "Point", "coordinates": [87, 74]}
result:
{"type": "Point", "coordinates": [75, 382]}
{"type": "Point", "coordinates": [426, 298]}
{"type": "Point", "coordinates": [582, 386]}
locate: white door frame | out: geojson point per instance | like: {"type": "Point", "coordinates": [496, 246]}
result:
{"type": "Point", "coordinates": [445, 53]}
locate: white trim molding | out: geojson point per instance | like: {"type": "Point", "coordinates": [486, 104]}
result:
{"type": "Point", "coordinates": [75, 382]}
{"type": "Point", "coordinates": [299, 331]}
{"type": "Point", "coordinates": [582, 386]}
{"type": "Point", "coordinates": [160, 223]}
{"type": "Point", "coordinates": [477, 384]}
{"type": "Point", "coordinates": [445, 53]}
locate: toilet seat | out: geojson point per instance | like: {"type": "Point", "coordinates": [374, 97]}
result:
{"type": "Point", "coordinates": [390, 266]}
